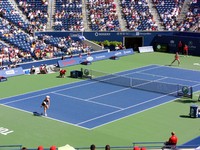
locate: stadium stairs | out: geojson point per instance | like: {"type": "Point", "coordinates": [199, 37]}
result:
{"type": "Point", "coordinates": [184, 10]}
{"type": "Point", "coordinates": [93, 45]}
{"type": "Point", "coordinates": [119, 12]}
{"type": "Point", "coordinates": [51, 12]}
{"type": "Point", "coordinates": [85, 20]}
{"type": "Point", "coordinates": [155, 15]}
{"type": "Point", "coordinates": [15, 6]}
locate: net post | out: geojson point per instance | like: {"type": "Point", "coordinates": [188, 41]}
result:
{"type": "Point", "coordinates": [178, 88]}
{"type": "Point", "coordinates": [191, 92]}
{"type": "Point", "coordinates": [131, 83]}
{"type": "Point", "coordinates": [91, 74]}
{"type": "Point", "coordinates": [82, 70]}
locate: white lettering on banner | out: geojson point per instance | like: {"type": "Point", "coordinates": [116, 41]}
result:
{"type": "Point", "coordinates": [118, 53]}
{"type": "Point", "coordinates": [102, 34]}
{"type": "Point", "coordinates": [147, 33]}
{"type": "Point", "coordinates": [89, 58]}
{"type": "Point", "coordinates": [74, 35]}
{"type": "Point", "coordinates": [96, 34]}
{"type": "Point", "coordinates": [10, 72]}
{"type": "Point", "coordinates": [127, 52]}
{"type": "Point", "coordinates": [5, 131]}
{"type": "Point", "coordinates": [103, 56]}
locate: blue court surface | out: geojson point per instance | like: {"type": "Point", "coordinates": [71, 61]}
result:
{"type": "Point", "coordinates": [192, 143]}
{"type": "Point", "coordinates": [90, 104]}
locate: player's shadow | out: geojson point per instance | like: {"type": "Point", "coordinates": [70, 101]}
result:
{"type": "Point", "coordinates": [185, 101]}
{"type": "Point", "coordinates": [184, 116]}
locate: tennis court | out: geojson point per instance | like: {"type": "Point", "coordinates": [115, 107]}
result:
{"type": "Point", "coordinates": [90, 103]}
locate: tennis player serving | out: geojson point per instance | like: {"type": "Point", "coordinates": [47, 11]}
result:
{"type": "Point", "coordinates": [46, 104]}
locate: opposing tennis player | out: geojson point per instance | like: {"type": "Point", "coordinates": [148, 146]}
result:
{"type": "Point", "coordinates": [176, 58]}
{"type": "Point", "coordinates": [46, 104]}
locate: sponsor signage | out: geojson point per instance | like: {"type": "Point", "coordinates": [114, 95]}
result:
{"type": "Point", "coordinates": [94, 57]}
{"type": "Point", "coordinates": [11, 72]}
{"type": "Point", "coordinates": [146, 49]}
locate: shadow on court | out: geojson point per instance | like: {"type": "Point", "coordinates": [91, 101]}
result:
{"type": "Point", "coordinates": [185, 101]}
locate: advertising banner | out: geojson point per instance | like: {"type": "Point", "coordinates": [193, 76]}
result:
{"type": "Point", "coordinates": [11, 72]}
{"type": "Point", "coordinates": [94, 57]}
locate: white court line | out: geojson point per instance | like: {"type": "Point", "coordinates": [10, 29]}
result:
{"type": "Point", "coordinates": [160, 66]}
{"type": "Point", "coordinates": [138, 71]}
{"type": "Point", "coordinates": [45, 116]}
{"type": "Point", "coordinates": [142, 72]}
{"type": "Point", "coordinates": [169, 77]}
{"type": "Point", "coordinates": [88, 84]}
{"type": "Point", "coordinates": [47, 92]}
{"type": "Point", "coordinates": [121, 109]}
{"type": "Point", "coordinates": [41, 90]}
{"type": "Point", "coordinates": [107, 94]}
{"type": "Point", "coordinates": [125, 89]}
{"type": "Point", "coordinates": [66, 84]}
{"type": "Point", "coordinates": [80, 85]}
{"type": "Point", "coordinates": [130, 115]}
{"type": "Point", "coordinates": [68, 96]}
{"type": "Point", "coordinates": [22, 99]}
{"type": "Point", "coordinates": [128, 108]}
{"type": "Point", "coordinates": [103, 104]}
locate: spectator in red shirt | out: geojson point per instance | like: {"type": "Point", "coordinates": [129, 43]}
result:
{"type": "Point", "coordinates": [40, 148]}
{"type": "Point", "coordinates": [53, 147]}
{"type": "Point", "coordinates": [171, 143]}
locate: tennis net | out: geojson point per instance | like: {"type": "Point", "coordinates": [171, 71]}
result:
{"type": "Point", "coordinates": [141, 84]}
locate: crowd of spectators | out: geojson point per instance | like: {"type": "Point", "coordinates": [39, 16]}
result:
{"type": "Point", "coordinates": [68, 15]}
{"type": "Point", "coordinates": [192, 17]}
{"type": "Point", "coordinates": [68, 45]}
{"type": "Point", "coordinates": [23, 46]}
{"type": "Point", "coordinates": [169, 11]}
{"type": "Point", "coordinates": [11, 54]}
{"type": "Point", "coordinates": [45, 47]}
{"type": "Point", "coordinates": [103, 15]}
{"type": "Point", "coordinates": [138, 16]}
{"type": "Point", "coordinates": [36, 13]}
{"type": "Point", "coordinates": [8, 12]}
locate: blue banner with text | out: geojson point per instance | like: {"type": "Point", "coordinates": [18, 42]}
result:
{"type": "Point", "coordinates": [94, 57]}
{"type": "Point", "coordinates": [11, 72]}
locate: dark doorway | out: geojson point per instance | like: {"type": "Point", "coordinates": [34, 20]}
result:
{"type": "Point", "coordinates": [133, 42]}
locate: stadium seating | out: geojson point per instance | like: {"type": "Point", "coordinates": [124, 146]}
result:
{"type": "Point", "coordinates": [169, 11]}
{"type": "Point", "coordinates": [8, 12]}
{"type": "Point", "coordinates": [36, 13]}
{"type": "Point", "coordinates": [103, 16]}
{"type": "Point", "coordinates": [138, 16]}
{"type": "Point", "coordinates": [68, 15]}
{"type": "Point", "coordinates": [192, 17]}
